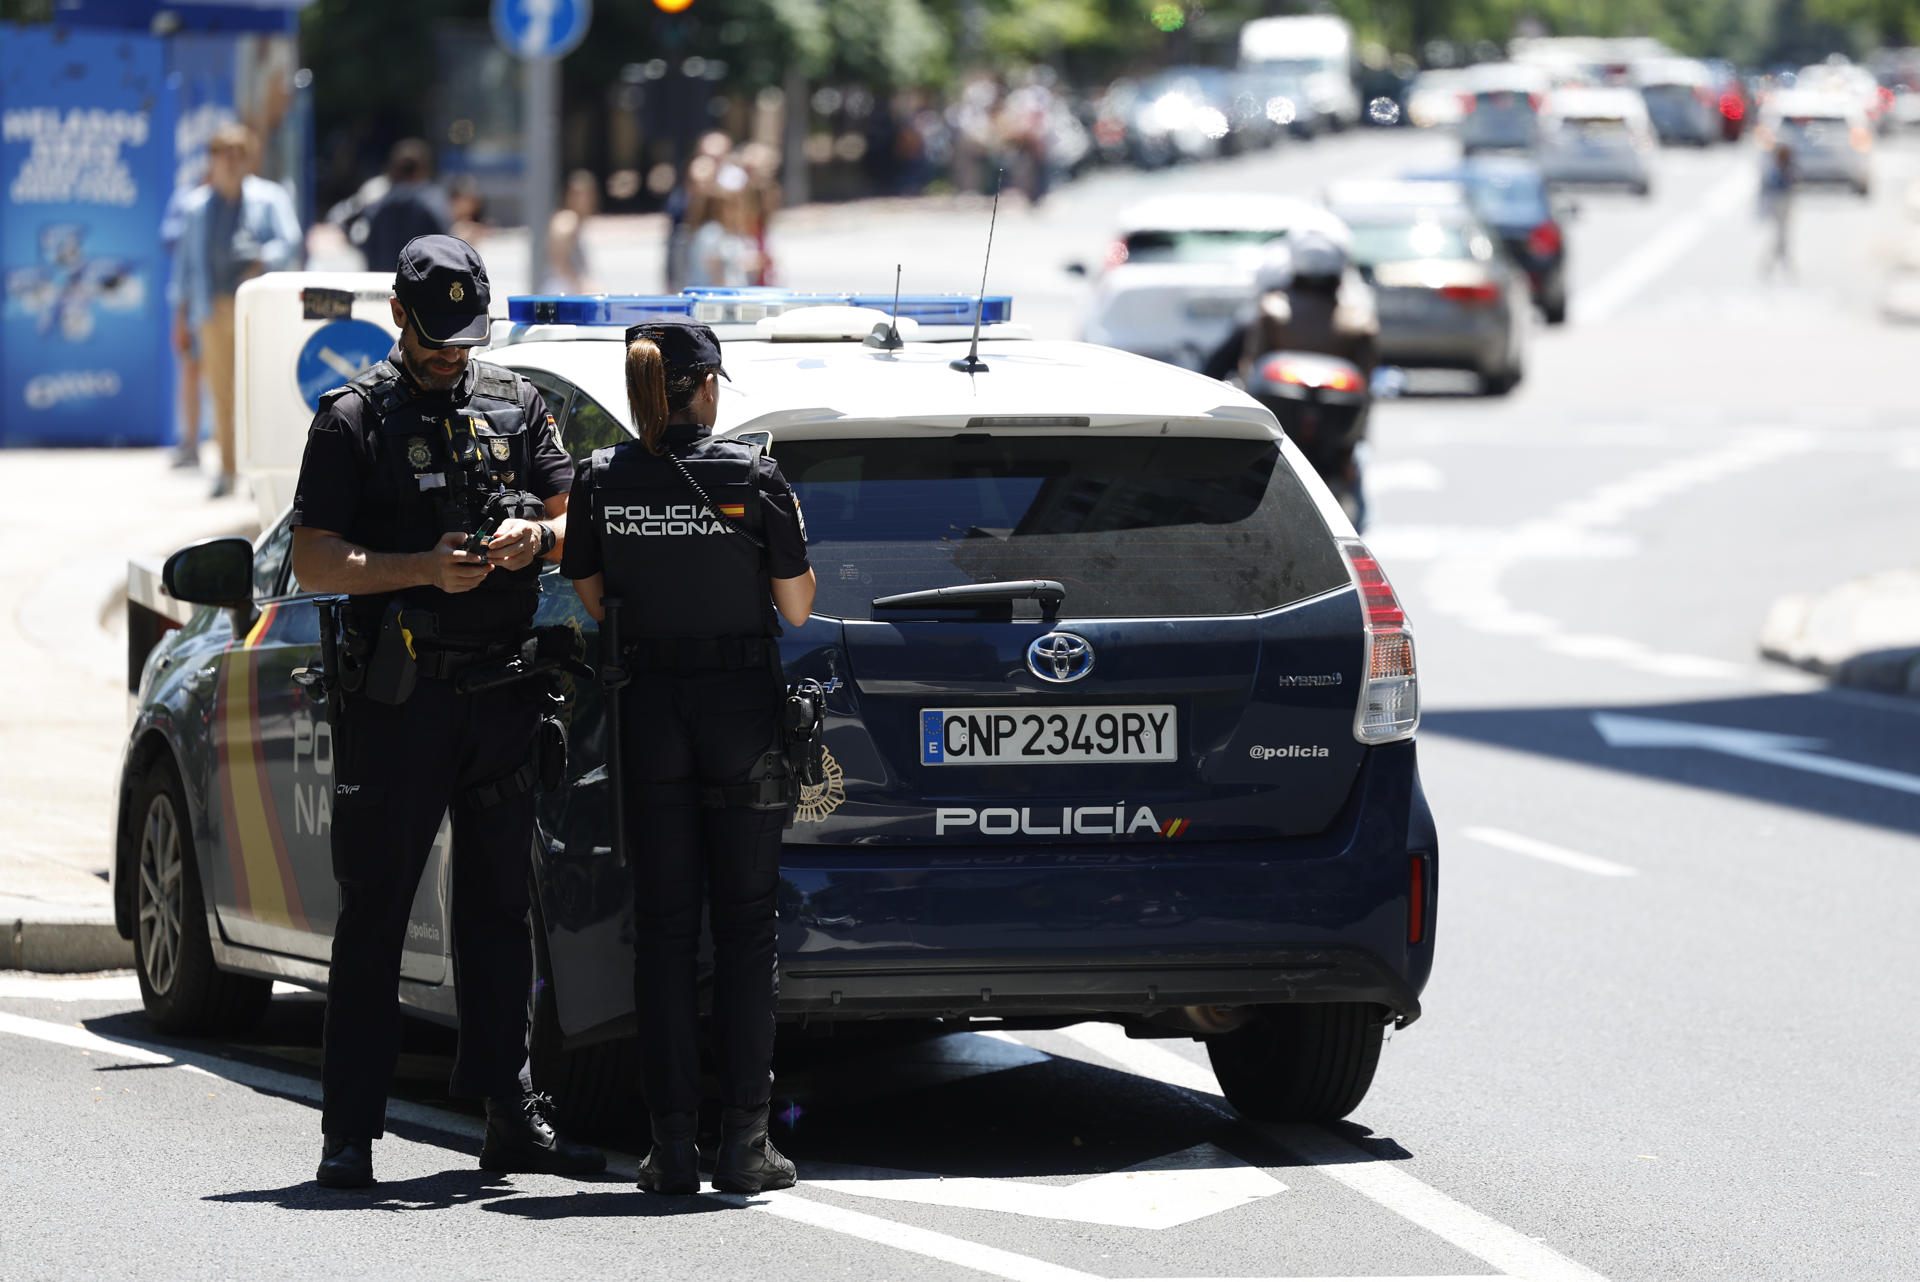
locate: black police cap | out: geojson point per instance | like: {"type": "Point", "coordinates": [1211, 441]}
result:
{"type": "Point", "coordinates": [687, 347]}
{"type": "Point", "coordinates": [443, 285]}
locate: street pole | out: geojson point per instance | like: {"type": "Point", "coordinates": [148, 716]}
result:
{"type": "Point", "coordinates": [540, 151]}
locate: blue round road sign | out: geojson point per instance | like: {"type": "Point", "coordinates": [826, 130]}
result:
{"type": "Point", "coordinates": [336, 352]}
{"type": "Point", "coordinates": [541, 28]}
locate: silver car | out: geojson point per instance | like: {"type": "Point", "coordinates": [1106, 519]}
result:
{"type": "Point", "coordinates": [1827, 136]}
{"type": "Point", "coordinates": [1446, 295]}
{"type": "Point", "coordinates": [1598, 136]}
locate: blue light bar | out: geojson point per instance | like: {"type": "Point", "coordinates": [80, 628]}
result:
{"type": "Point", "coordinates": [718, 305]}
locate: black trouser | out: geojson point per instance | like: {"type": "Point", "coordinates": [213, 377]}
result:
{"type": "Point", "coordinates": [401, 768]}
{"type": "Point", "coordinates": [680, 732]}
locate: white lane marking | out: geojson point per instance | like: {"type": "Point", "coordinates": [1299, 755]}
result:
{"type": "Point", "coordinates": [1598, 301]}
{"type": "Point", "coordinates": [1469, 563]}
{"type": "Point", "coordinates": [339, 364]}
{"type": "Point", "coordinates": [906, 1237]}
{"type": "Point", "coordinates": [1793, 752]}
{"type": "Point", "coordinates": [1391, 475]}
{"type": "Point", "coordinates": [1479, 1235]}
{"type": "Point", "coordinates": [236, 1071]}
{"type": "Point", "coordinates": [93, 988]}
{"type": "Point", "coordinates": [1519, 845]}
{"type": "Point", "coordinates": [1166, 1191]}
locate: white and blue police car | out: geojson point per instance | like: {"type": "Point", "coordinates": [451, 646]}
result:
{"type": "Point", "coordinates": [1120, 720]}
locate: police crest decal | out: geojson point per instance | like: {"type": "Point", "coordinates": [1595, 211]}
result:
{"type": "Point", "coordinates": [417, 452]}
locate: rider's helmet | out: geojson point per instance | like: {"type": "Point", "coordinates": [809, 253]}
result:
{"type": "Point", "coordinates": [1274, 272]}
{"type": "Point", "coordinates": [1318, 261]}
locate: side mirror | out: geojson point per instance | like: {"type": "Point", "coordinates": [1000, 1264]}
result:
{"type": "Point", "coordinates": [1076, 269]}
{"type": "Point", "coordinates": [211, 572]}
{"type": "Point", "coordinates": [1388, 382]}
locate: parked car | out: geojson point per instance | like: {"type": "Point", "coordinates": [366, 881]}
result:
{"type": "Point", "coordinates": [1153, 764]}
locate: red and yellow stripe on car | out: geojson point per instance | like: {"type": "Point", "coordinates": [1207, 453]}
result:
{"type": "Point", "coordinates": [263, 883]}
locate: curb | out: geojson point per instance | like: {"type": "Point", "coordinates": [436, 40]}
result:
{"type": "Point", "coordinates": [1862, 634]}
{"type": "Point", "coordinates": [63, 946]}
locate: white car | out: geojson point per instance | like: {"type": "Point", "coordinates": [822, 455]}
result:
{"type": "Point", "coordinates": [1180, 270]}
{"type": "Point", "coordinates": [1598, 136]}
{"type": "Point", "coordinates": [1826, 133]}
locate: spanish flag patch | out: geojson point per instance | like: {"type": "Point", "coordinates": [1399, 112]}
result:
{"type": "Point", "coordinates": [735, 510]}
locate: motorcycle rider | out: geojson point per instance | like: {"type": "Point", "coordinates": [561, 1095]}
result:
{"type": "Point", "coordinates": [1305, 300]}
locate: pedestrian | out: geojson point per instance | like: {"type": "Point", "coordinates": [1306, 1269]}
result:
{"type": "Point", "coordinates": [700, 724]}
{"type": "Point", "coordinates": [566, 252]}
{"type": "Point", "coordinates": [401, 465]}
{"type": "Point", "coordinates": [186, 450]}
{"type": "Point", "coordinates": [232, 228]}
{"type": "Point", "coordinates": [467, 206]}
{"type": "Point", "coordinates": [1776, 209]}
{"type": "Point", "coordinates": [412, 206]}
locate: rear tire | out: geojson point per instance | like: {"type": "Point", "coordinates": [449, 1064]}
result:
{"type": "Point", "coordinates": [1309, 1063]}
{"type": "Point", "coordinates": [181, 987]}
{"type": "Point", "coordinates": [1499, 384]}
{"type": "Point", "coordinates": [1555, 311]}
{"type": "Point", "coordinates": [596, 1089]}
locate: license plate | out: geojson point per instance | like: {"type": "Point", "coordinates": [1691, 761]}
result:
{"type": "Point", "coordinates": [1046, 736]}
{"type": "Point", "coordinates": [1212, 308]}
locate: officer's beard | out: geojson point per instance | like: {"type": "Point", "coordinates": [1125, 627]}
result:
{"type": "Point", "coordinates": [435, 369]}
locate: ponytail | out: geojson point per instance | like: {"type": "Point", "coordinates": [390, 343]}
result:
{"type": "Point", "coordinates": [647, 391]}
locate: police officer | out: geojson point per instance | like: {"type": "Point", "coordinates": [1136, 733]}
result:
{"type": "Point", "coordinates": [403, 465]}
{"type": "Point", "coordinates": [700, 541]}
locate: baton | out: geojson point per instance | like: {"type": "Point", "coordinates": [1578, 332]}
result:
{"type": "Point", "coordinates": [613, 679]}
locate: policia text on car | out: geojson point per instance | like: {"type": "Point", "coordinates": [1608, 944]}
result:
{"type": "Point", "coordinates": [430, 488]}
{"type": "Point", "coordinates": [702, 541]}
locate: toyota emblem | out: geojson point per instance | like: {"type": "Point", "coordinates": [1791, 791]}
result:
{"type": "Point", "coordinates": [1060, 657]}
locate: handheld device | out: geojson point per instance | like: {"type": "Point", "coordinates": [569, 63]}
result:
{"type": "Point", "coordinates": [477, 541]}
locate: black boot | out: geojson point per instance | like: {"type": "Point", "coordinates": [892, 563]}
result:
{"type": "Point", "coordinates": [520, 1138]}
{"type": "Point", "coordinates": [671, 1165]}
{"type": "Point", "coordinates": [748, 1161]}
{"type": "Point", "coordinates": [346, 1162]}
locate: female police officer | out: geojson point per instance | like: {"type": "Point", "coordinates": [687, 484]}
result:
{"type": "Point", "coordinates": [699, 540]}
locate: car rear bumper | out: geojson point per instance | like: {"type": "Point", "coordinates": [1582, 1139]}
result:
{"type": "Point", "coordinates": [1046, 987]}
{"type": "Point", "coordinates": [1462, 340]}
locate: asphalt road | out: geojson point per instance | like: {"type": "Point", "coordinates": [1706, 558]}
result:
{"type": "Point", "coordinates": [1664, 1038]}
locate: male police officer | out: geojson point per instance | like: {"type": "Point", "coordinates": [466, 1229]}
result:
{"type": "Point", "coordinates": [403, 465]}
{"type": "Point", "coordinates": [700, 540]}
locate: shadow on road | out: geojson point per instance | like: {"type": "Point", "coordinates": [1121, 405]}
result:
{"type": "Point", "coordinates": [632, 1204]}
{"type": "Point", "coordinates": [425, 1193]}
{"type": "Point", "coordinates": [1834, 757]}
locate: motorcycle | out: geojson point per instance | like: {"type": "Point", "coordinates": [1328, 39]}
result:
{"type": "Point", "coordinates": [1322, 403]}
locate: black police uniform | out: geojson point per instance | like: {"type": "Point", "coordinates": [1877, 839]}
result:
{"type": "Point", "coordinates": [700, 717]}
{"type": "Point", "coordinates": [393, 468]}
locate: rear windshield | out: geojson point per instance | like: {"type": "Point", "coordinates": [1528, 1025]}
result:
{"type": "Point", "coordinates": [1133, 526]}
{"type": "Point", "coordinates": [1194, 246]}
{"type": "Point", "coordinates": [1400, 242]}
{"type": "Point", "coordinates": [1508, 200]}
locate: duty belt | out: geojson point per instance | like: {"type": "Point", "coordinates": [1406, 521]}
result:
{"type": "Point", "coordinates": [451, 659]}
{"type": "Point", "coordinates": [701, 654]}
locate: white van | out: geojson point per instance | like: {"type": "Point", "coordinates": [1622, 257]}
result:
{"type": "Point", "coordinates": [1317, 46]}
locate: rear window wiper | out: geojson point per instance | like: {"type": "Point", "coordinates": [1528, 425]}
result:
{"type": "Point", "coordinates": [963, 596]}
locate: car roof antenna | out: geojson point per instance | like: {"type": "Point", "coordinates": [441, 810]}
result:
{"type": "Point", "coordinates": [887, 337]}
{"type": "Point", "coordinates": [971, 362]}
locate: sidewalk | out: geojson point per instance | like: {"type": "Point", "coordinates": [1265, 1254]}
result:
{"type": "Point", "coordinates": [63, 682]}
{"type": "Point", "coordinates": [1864, 633]}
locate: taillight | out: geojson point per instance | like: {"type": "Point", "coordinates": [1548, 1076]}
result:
{"type": "Point", "coordinates": [1390, 693]}
{"type": "Point", "coordinates": [1279, 371]}
{"type": "Point", "coordinates": [1731, 107]}
{"type": "Point", "coordinates": [1884, 96]}
{"type": "Point", "coordinates": [1467, 103]}
{"type": "Point", "coordinates": [1533, 101]}
{"type": "Point", "coordinates": [1116, 254]}
{"type": "Point", "coordinates": [1544, 241]}
{"type": "Point", "coordinates": [1335, 379]}
{"type": "Point", "coordinates": [1478, 295]}
{"type": "Point", "coordinates": [1342, 380]}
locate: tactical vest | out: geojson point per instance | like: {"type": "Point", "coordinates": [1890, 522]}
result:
{"type": "Point", "coordinates": [436, 467]}
{"type": "Point", "coordinates": [681, 564]}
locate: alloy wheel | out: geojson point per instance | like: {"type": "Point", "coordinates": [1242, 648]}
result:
{"type": "Point", "coordinates": [162, 894]}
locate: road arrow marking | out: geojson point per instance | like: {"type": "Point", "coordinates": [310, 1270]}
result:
{"type": "Point", "coordinates": [1159, 1194]}
{"type": "Point", "coordinates": [339, 364]}
{"type": "Point", "coordinates": [1794, 752]}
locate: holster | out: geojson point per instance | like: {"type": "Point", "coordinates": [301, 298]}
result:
{"type": "Point", "coordinates": [394, 669]}
{"type": "Point", "coordinates": [802, 717]}
{"type": "Point", "coordinates": [769, 785]}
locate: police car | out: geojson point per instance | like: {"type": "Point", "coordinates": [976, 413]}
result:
{"type": "Point", "coordinates": [1120, 720]}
